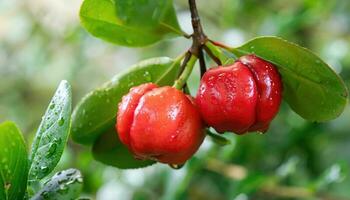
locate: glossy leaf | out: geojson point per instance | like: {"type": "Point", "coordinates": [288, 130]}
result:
{"type": "Point", "coordinates": [109, 150]}
{"type": "Point", "coordinates": [97, 111]}
{"type": "Point", "coordinates": [66, 184]}
{"type": "Point", "coordinates": [311, 87]}
{"type": "Point", "coordinates": [13, 162]}
{"type": "Point", "coordinates": [151, 12]}
{"type": "Point", "coordinates": [52, 135]}
{"type": "Point", "coordinates": [130, 22]}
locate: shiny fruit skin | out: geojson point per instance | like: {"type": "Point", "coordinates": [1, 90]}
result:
{"type": "Point", "coordinates": [160, 124]}
{"type": "Point", "coordinates": [269, 87]}
{"type": "Point", "coordinates": [242, 97]}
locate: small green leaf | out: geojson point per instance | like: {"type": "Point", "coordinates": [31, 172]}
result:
{"type": "Point", "coordinates": [218, 139]}
{"type": "Point", "coordinates": [66, 184]}
{"type": "Point", "coordinates": [311, 87]}
{"type": "Point", "coordinates": [96, 112]}
{"type": "Point", "coordinates": [13, 162]}
{"type": "Point", "coordinates": [109, 150]}
{"type": "Point", "coordinates": [52, 135]}
{"type": "Point", "coordinates": [130, 22]}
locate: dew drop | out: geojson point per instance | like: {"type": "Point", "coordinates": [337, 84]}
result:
{"type": "Point", "coordinates": [52, 149]}
{"type": "Point", "coordinates": [176, 166]}
{"type": "Point", "coordinates": [44, 169]}
{"type": "Point", "coordinates": [80, 180]}
{"type": "Point", "coordinates": [52, 106]}
{"type": "Point", "coordinates": [147, 76]}
{"type": "Point", "coordinates": [61, 121]}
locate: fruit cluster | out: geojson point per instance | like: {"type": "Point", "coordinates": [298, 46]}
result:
{"type": "Point", "coordinates": [166, 125]}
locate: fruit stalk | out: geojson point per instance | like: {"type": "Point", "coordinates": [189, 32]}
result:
{"type": "Point", "coordinates": [181, 81]}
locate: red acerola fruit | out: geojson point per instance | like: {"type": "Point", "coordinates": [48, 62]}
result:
{"type": "Point", "coordinates": [159, 123]}
{"type": "Point", "coordinates": [242, 97]}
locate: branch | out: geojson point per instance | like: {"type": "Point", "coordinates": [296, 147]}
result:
{"type": "Point", "coordinates": [184, 63]}
{"type": "Point", "coordinates": [198, 36]}
{"type": "Point", "coordinates": [212, 56]}
{"type": "Point", "coordinates": [203, 68]}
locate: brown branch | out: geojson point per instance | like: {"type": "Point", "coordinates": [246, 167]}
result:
{"type": "Point", "coordinates": [203, 67]}
{"type": "Point", "coordinates": [198, 36]}
{"type": "Point", "coordinates": [184, 63]}
{"type": "Point", "coordinates": [212, 56]}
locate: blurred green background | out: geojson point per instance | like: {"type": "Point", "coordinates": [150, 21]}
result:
{"type": "Point", "coordinates": [42, 42]}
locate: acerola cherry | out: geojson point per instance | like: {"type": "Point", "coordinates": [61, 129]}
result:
{"type": "Point", "coordinates": [242, 97]}
{"type": "Point", "coordinates": [161, 124]}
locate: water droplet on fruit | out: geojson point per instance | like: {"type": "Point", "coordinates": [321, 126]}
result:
{"type": "Point", "coordinates": [176, 166]}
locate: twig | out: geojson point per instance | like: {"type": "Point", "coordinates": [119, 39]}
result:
{"type": "Point", "coordinates": [212, 56]}
{"type": "Point", "coordinates": [198, 36]}
{"type": "Point", "coordinates": [203, 68]}
{"type": "Point", "coordinates": [219, 44]}
{"type": "Point", "coordinates": [184, 63]}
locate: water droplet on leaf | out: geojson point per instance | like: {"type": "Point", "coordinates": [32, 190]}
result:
{"type": "Point", "coordinates": [61, 121]}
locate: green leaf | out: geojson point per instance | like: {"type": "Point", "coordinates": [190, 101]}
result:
{"type": "Point", "coordinates": [311, 87]}
{"type": "Point", "coordinates": [130, 23]}
{"type": "Point", "coordinates": [109, 150]}
{"type": "Point", "coordinates": [52, 135]}
{"type": "Point", "coordinates": [13, 162]}
{"type": "Point", "coordinates": [218, 139]}
{"type": "Point", "coordinates": [146, 13]}
{"type": "Point", "coordinates": [66, 184]}
{"type": "Point", "coordinates": [96, 112]}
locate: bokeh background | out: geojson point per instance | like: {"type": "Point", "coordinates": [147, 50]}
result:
{"type": "Point", "coordinates": [42, 42]}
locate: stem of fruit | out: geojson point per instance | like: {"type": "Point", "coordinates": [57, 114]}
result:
{"type": "Point", "coordinates": [219, 44]}
{"type": "Point", "coordinates": [186, 57]}
{"type": "Point", "coordinates": [181, 81]}
{"type": "Point", "coordinates": [215, 53]}
{"type": "Point", "coordinates": [232, 50]}
{"type": "Point", "coordinates": [175, 63]}
{"type": "Point", "coordinates": [203, 67]}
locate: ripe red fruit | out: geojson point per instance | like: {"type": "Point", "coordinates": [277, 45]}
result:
{"type": "Point", "coordinates": [159, 124]}
{"type": "Point", "coordinates": [242, 97]}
